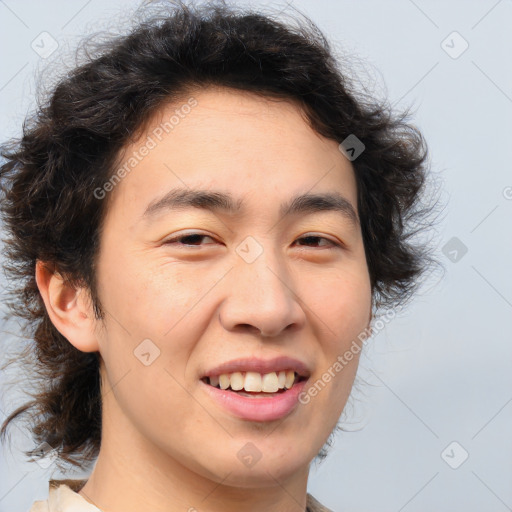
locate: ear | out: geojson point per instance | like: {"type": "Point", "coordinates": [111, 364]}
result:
{"type": "Point", "coordinates": [68, 308]}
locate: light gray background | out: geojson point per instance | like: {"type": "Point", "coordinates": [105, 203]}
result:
{"type": "Point", "coordinates": [440, 372]}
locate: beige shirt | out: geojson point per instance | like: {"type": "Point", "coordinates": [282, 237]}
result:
{"type": "Point", "coordinates": [63, 497]}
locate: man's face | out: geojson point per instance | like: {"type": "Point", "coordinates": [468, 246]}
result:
{"type": "Point", "coordinates": [245, 291]}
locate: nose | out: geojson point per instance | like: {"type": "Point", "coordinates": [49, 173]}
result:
{"type": "Point", "coordinates": [261, 298]}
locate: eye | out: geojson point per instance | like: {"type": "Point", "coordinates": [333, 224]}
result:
{"type": "Point", "coordinates": [313, 239]}
{"type": "Point", "coordinates": [194, 240]}
{"type": "Point", "coordinates": [187, 240]}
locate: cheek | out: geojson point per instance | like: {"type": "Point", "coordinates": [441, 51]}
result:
{"type": "Point", "coordinates": [146, 292]}
{"type": "Point", "coordinates": [341, 302]}
{"type": "Point", "coordinates": [171, 299]}
{"type": "Point", "coordinates": [166, 305]}
{"type": "Point", "coordinates": [340, 307]}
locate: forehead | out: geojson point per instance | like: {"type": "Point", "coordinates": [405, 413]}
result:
{"type": "Point", "coordinates": [231, 140]}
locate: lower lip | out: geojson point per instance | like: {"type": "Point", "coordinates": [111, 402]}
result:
{"type": "Point", "coordinates": [257, 409]}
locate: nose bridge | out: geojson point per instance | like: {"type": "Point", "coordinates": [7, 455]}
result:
{"type": "Point", "coordinates": [260, 292]}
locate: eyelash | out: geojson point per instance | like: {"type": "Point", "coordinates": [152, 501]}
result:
{"type": "Point", "coordinates": [172, 241]}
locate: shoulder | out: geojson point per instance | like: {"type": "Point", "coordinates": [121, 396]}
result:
{"type": "Point", "coordinates": [63, 497]}
{"type": "Point", "coordinates": [314, 506]}
{"type": "Point", "coordinates": [39, 506]}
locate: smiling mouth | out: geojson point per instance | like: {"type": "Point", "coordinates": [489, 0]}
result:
{"type": "Point", "coordinates": [253, 384]}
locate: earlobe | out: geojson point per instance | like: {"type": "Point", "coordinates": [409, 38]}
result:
{"type": "Point", "coordinates": [68, 308]}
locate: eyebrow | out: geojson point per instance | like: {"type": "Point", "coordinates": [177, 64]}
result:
{"type": "Point", "coordinates": [179, 199]}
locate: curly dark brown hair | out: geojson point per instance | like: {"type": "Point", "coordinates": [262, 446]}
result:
{"type": "Point", "coordinates": [71, 144]}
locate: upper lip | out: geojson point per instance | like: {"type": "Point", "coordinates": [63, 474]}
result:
{"type": "Point", "coordinates": [263, 366]}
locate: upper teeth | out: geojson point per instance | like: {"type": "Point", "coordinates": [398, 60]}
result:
{"type": "Point", "coordinates": [253, 381]}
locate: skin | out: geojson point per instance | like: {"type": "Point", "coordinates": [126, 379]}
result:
{"type": "Point", "coordinates": [166, 445]}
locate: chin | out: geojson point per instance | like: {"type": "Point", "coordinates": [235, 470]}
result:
{"type": "Point", "coordinates": [245, 466]}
